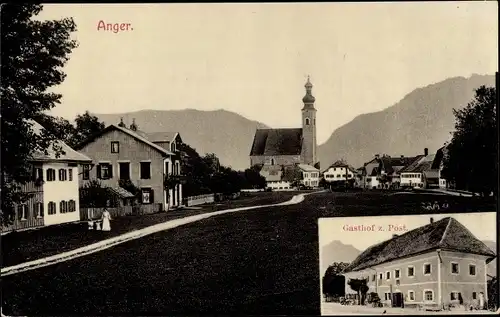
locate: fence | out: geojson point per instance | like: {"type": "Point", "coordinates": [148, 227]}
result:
{"type": "Point", "coordinates": [200, 199]}
{"type": "Point", "coordinates": [95, 213]}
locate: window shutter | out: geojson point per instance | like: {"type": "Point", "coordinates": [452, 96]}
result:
{"type": "Point", "coordinates": [110, 170]}
{"type": "Point", "coordinates": [34, 173]}
{"type": "Point", "coordinates": [99, 171]}
{"type": "Point", "coordinates": [152, 196]}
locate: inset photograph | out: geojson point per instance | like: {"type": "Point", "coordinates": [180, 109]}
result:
{"type": "Point", "coordinates": [414, 264]}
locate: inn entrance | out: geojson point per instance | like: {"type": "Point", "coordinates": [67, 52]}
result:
{"type": "Point", "coordinates": [397, 299]}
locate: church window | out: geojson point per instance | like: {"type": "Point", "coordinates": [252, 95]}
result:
{"type": "Point", "coordinates": [307, 121]}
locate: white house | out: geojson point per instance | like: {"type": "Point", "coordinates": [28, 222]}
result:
{"type": "Point", "coordinates": [310, 175]}
{"type": "Point", "coordinates": [53, 191]}
{"type": "Point", "coordinates": [339, 171]}
{"type": "Point", "coordinates": [414, 175]}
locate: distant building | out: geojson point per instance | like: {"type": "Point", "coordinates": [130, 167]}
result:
{"type": "Point", "coordinates": [310, 175]}
{"type": "Point", "coordinates": [436, 265]}
{"type": "Point", "coordinates": [54, 192]}
{"type": "Point", "coordinates": [384, 171]}
{"type": "Point", "coordinates": [420, 174]}
{"type": "Point", "coordinates": [340, 171]}
{"type": "Point", "coordinates": [288, 146]}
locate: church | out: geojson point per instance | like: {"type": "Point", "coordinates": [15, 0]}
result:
{"type": "Point", "coordinates": [288, 146]}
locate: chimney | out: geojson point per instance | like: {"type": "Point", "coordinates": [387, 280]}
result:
{"type": "Point", "coordinates": [402, 156]}
{"type": "Point", "coordinates": [394, 236]}
{"type": "Point", "coordinates": [432, 220]}
{"type": "Point", "coordinates": [426, 151]}
{"type": "Point", "coordinates": [377, 156]}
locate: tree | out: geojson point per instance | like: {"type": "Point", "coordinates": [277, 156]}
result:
{"type": "Point", "coordinates": [94, 195]}
{"type": "Point", "coordinates": [493, 293]}
{"type": "Point", "coordinates": [33, 55]}
{"type": "Point", "coordinates": [253, 178]}
{"type": "Point", "coordinates": [333, 281]}
{"type": "Point", "coordinates": [292, 174]}
{"type": "Point", "coordinates": [360, 286]}
{"type": "Point", "coordinates": [471, 161]}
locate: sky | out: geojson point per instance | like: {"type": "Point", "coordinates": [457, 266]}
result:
{"type": "Point", "coordinates": [483, 225]}
{"type": "Point", "coordinates": [254, 59]}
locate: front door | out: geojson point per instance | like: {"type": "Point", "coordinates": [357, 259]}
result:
{"type": "Point", "coordinates": [397, 299]}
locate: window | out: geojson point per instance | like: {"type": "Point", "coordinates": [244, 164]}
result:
{"type": "Point", "coordinates": [86, 172]}
{"type": "Point", "coordinates": [307, 121]}
{"type": "Point", "coordinates": [124, 170]}
{"type": "Point", "coordinates": [472, 269]}
{"type": "Point", "coordinates": [37, 174]}
{"type": "Point", "coordinates": [147, 196]}
{"type": "Point", "coordinates": [38, 208]}
{"type": "Point", "coordinates": [166, 168]}
{"type": "Point", "coordinates": [63, 175]}
{"type": "Point", "coordinates": [454, 295]}
{"type": "Point", "coordinates": [22, 212]}
{"type": "Point", "coordinates": [388, 275]}
{"type": "Point", "coordinates": [177, 168]}
{"type": "Point", "coordinates": [411, 295]}
{"type": "Point", "coordinates": [104, 171]}
{"type": "Point", "coordinates": [173, 147]}
{"type": "Point", "coordinates": [52, 208]}
{"type": "Point", "coordinates": [51, 175]}
{"type": "Point", "coordinates": [145, 170]}
{"type": "Point", "coordinates": [63, 207]}
{"type": "Point", "coordinates": [272, 161]}
{"type": "Point", "coordinates": [373, 277]}
{"type": "Point", "coordinates": [454, 268]}
{"type": "Point", "coordinates": [428, 295]}
{"type": "Point", "coordinates": [70, 174]}
{"type": "Point", "coordinates": [387, 296]}
{"type": "Point", "coordinates": [396, 273]}
{"type": "Point", "coordinates": [474, 295]}
{"type": "Point", "coordinates": [411, 271]}
{"type": "Point", "coordinates": [380, 276]}
{"type": "Point", "coordinates": [71, 206]}
{"type": "Point", "coordinates": [115, 147]}
{"type": "Point", "coordinates": [427, 269]}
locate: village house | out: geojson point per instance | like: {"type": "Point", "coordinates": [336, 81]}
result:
{"type": "Point", "coordinates": [439, 265]}
{"type": "Point", "coordinates": [53, 191]}
{"type": "Point", "coordinates": [310, 175]}
{"type": "Point", "coordinates": [437, 168]}
{"type": "Point", "coordinates": [121, 154]}
{"type": "Point", "coordinates": [340, 171]}
{"type": "Point", "coordinates": [420, 174]}
{"type": "Point", "coordinates": [291, 145]}
{"type": "Point", "coordinates": [384, 171]}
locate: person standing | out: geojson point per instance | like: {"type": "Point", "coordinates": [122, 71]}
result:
{"type": "Point", "coordinates": [106, 217]}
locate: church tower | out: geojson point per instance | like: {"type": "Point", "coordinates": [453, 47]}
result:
{"type": "Point", "coordinates": [309, 127]}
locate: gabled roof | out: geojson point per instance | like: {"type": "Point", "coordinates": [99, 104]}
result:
{"type": "Point", "coordinates": [445, 234]}
{"type": "Point", "coordinates": [391, 164]}
{"type": "Point", "coordinates": [419, 166]}
{"type": "Point", "coordinates": [161, 136]}
{"type": "Point", "coordinates": [341, 163]}
{"type": "Point", "coordinates": [69, 153]}
{"type": "Point", "coordinates": [277, 142]}
{"type": "Point", "coordinates": [138, 135]}
{"type": "Point", "coordinates": [307, 168]}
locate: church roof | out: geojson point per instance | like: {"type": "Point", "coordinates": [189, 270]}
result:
{"type": "Point", "coordinates": [277, 142]}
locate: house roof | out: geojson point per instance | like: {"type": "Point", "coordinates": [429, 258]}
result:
{"type": "Point", "coordinates": [445, 234]}
{"type": "Point", "coordinates": [391, 164]}
{"type": "Point", "coordinates": [120, 191]}
{"type": "Point", "coordinates": [308, 168]}
{"type": "Point", "coordinates": [341, 163]}
{"type": "Point", "coordinates": [272, 173]}
{"type": "Point", "coordinates": [419, 166]}
{"type": "Point", "coordinates": [277, 142]}
{"type": "Point", "coordinates": [161, 136]}
{"type": "Point", "coordinates": [69, 153]}
{"type": "Point", "coordinates": [138, 135]}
